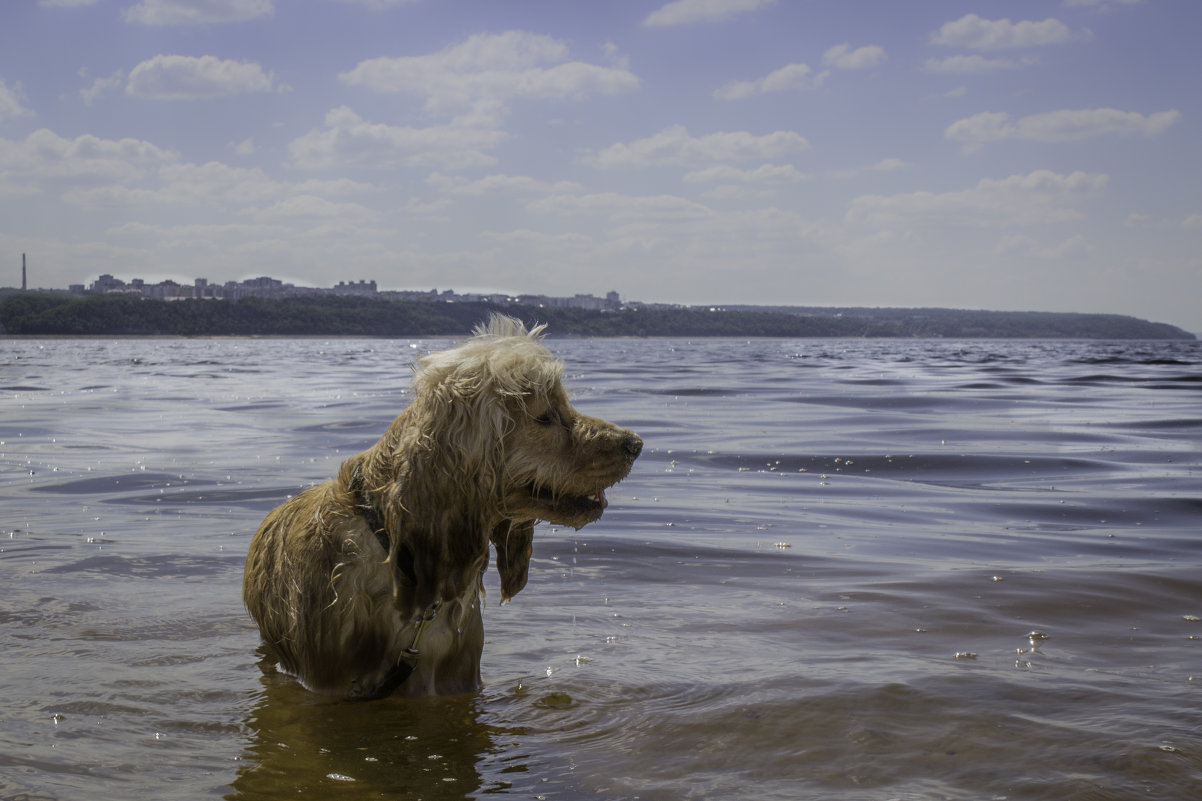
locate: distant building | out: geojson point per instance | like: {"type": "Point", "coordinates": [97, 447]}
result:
{"type": "Point", "coordinates": [107, 284]}
{"type": "Point", "coordinates": [361, 289]}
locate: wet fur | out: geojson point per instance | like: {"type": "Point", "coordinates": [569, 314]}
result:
{"type": "Point", "coordinates": [488, 445]}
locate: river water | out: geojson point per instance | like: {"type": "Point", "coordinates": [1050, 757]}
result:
{"type": "Point", "coordinates": [840, 570]}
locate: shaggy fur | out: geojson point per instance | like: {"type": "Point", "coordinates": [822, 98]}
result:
{"type": "Point", "coordinates": [488, 445]}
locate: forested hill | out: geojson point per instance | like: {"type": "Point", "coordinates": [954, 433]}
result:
{"type": "Point", "coordinates": [59, 314]}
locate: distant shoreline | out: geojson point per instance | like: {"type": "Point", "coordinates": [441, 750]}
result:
{"type": "Point", "coordinates": [33, 314]}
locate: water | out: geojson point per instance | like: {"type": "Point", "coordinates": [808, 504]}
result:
{"type": "Point", "coordinates": [840, 570]}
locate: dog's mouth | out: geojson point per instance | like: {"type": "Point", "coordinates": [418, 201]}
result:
{"type": "Point", "coordinates": [570, 509]}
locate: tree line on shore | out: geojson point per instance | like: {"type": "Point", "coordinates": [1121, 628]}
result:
{"type": "Point", "coordinates": [62, 314]}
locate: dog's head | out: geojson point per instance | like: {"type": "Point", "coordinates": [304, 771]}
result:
{"type": "Point", "coordinates": [508, 435]}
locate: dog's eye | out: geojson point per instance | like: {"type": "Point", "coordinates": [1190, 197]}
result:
{"type": "Point", "coordinates": [547, 418]}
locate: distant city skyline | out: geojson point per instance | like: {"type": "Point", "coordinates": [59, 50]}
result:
{"type": "Point", "coordinates": [268, 287]}
{"type": "Point", "coordinates": [1036, 154]}
{"type": "Point", "coordinates": [274, 288]}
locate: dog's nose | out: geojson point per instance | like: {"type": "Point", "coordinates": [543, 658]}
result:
{"type": "Point", "coordinates": [633, 444]}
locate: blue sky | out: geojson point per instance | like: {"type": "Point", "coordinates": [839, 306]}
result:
{"type": "Point", "coordinates": [964, 153]}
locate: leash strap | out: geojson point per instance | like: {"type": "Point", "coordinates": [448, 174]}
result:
{"type": "Point", "coordinates": [405, 666]}
{"type": "Point", "coordinates": [403, 669]}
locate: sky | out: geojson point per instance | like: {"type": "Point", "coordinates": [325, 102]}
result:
{"type": "Point", "coordinates": [961, 153]}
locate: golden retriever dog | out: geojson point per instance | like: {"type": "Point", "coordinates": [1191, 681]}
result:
{"type": "Point", "coordinates": [372, 582]}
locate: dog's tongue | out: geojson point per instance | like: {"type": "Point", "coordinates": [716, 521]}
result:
{"type": "Point", "coordinates": [601, 496]}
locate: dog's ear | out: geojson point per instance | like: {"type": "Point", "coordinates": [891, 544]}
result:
{"type": "Point", "coordinates": [514, 541]}
{"type": "Point", "coordinates": [463, 421]}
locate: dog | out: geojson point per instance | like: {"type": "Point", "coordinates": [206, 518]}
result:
{"type": "Point", "coordinates": [371, 583]}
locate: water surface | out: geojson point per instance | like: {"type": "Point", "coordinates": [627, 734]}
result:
{"type": "Point", "coordinates": [840, 570]}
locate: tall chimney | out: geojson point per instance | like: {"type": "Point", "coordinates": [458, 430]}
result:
{"type": "Point", "coordinates": [24, 285]}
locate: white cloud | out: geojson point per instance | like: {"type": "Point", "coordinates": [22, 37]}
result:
{"type": "Point", "coordinates": [1067, 125]}
{"type": "Point", "coordinates": [791, 76]}
{"type": "Point", "coordinates": [884, 165]}
{"type": "Point", "coordinates": [1047, 180]}
{"type": "Point", "coordinates": [197, 12]}
{"type": "Point", "coordinates": [889, 165]}
{"type": "Point", "coordinates": [1100, 4]}
{"type": "Point", "coordinates": [614, 53]}
{"type": "Point", "coordinates": [844, 58]}
{"type": "Point", "coordinates": [378, 5]}
{"type": "Point", "coordinates": [100, 85]}
{"type": "Point", "coordinates": [348, 140]}
{"type": "Point", "coordinates": [752, 238]}
{"type": "Point", "coordinates": [1037, 198]}
{"type": "Point", "coordinates": [1190, 222]}
{"type": "Point", "coordinates": [66, 3]}
{"type": "Point", "coordinates": [681, 12]}
{"type": "Point", "coordinates": [194, 231]}
{"type": "Point", "coordinates": [195, 245]}
{"type": "Point", "coordinates": [212, 186]}
{"type": "Point", "coordinates": [244, 148]}
{"type": "Point", "coordinates": [214, 181]}
{"type": "Point", "coordinates": [972, 63]}
{"type": "Point", "coordinates": [336, 186]}
{"type": "Point", "coordinates": [1014, 243]}
{"type": "Point", "coordinates": [674, 146]}
{"type": "Point", "coordinates": [310, 206]}
{"type": "Point", "coordinates": [801, 76]}
{"type": "Point", "coordinates": [764, 174]}
{"type": "Point", "coordinates": [11, 105]}
{"type": "Point", "coordinates": [1024, 245]}
{"type": "Point", "coordinates": [491, 67]}
{"type": "Point", "coordinates": [617, 206]}
{"type": "Point", "coordinates": [537, 239]}
{"type": "Point", "coordinates": [189, 78]}
{"type": "Point", "coordinates": [498, 183]}
{"type": "Point", "coordinates": [44, 155]}
{"type": "Point", "coordinates": [745, 194]}
{"type": "Point", "coordinates": [11, 190]}
{"type": "Point", "coordinates": [976, 33]}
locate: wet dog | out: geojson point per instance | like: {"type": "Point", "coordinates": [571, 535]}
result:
{"type": "Point", "coordinates": [371, 583]}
